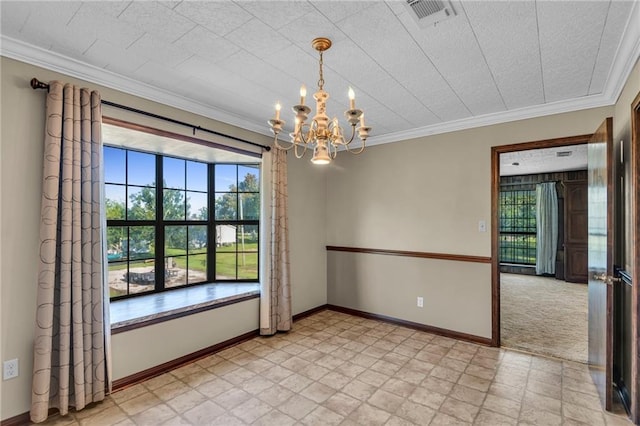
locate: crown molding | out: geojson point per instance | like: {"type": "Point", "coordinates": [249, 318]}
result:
{"type": "Point", "coordinates": [501, 117]}
{"type": "Point", "coordinates": [626, 56]}
{"type": "Point", "coordinates": [34, 55]}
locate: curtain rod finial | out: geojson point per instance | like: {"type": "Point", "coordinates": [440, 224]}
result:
{"type": "Point", "coordinates": [37, 84]}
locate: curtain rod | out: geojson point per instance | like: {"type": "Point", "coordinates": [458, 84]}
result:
{"type": "Point", "coordinates": [518, 184]}
{"type": "Point", "coordinates": [37, 84]}
{"type": "Point", "coordinates": [530, 183]}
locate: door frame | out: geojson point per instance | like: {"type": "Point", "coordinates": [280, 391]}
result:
{"type": "Point", "coordinates": [495, 215]}
{"type": "Point", "coordinates": [634, 236]}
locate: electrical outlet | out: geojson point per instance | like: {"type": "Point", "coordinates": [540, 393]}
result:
{"type": "Point", "coordinates": [10, 369]}
{"type": "Point", "coordinates": [420, 302]}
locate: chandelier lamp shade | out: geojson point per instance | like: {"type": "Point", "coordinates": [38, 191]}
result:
{"type": "Point", "coordinates": [322, 135]}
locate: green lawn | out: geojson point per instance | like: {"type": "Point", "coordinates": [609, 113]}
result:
{"type": "Point", "coordinates": [247, 262]}
{"type": "Point", "coordinates": [197, 258]}
{"type": "Point", "coordinates": [247, 265]}
{"type": "Point", "coordinates": [232, 247]}
{"type": "Point", "coordinates": [226, 260]}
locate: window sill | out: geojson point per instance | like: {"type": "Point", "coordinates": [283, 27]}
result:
{"type": "Point", "coordinates": [519, 265]}
{"type": "Point", "coordinates": [151, 309]}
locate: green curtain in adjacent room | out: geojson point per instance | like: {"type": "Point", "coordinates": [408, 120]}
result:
{"type": "Point", "coordinates": [546, 228]}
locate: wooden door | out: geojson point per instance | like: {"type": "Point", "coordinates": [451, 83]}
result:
{"type": "Point", "coordinates": [600, 225]}
{"type": "Point", "coordinates": [575, 231]}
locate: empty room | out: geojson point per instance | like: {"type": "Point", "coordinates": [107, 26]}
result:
{"type": "Point", "coordinates": [309, 212]}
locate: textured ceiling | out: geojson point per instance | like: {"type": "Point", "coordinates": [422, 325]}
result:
{"type": "Point", "coordinates": [544, 160]}
{"type": "Point", "coordinates": [232, 60]}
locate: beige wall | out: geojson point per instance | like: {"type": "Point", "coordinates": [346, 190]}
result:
{"type": "Point", "coordinates": [389, 285]}
{"type": "Point", "coordinates": [22, 124]}
{"type": "Point", "coordinates": [307, 199]}
{"type": "Point", "coordinates": [172, 339]}
{"type": "Point", "coordinates": [426, 194]}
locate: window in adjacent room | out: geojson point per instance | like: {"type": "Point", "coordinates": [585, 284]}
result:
{"type": "Point", "coordinates": [518, 227]}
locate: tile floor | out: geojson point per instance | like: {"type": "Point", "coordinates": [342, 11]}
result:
{"type": "Point", "coordinates": [335, 369]}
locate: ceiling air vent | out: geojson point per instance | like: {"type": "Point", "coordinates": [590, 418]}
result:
{"type": "Point", "coordinates": [430, 12]}
{"type": "Point", "coordinates": [564, 153]}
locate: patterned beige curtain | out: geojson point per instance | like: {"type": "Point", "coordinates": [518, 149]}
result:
{"type": "Point", "coordinates": [275, 303]}
{"type": "Point", "coordinates": [70, 362]}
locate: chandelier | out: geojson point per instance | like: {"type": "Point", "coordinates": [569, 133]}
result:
{"type": "Point", "coordinates": [323, 135]}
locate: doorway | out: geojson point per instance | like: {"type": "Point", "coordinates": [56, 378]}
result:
{"type": "Point", "coordinates": [543, 251]}
{"type": "Point", "coordinates": [496, 153]}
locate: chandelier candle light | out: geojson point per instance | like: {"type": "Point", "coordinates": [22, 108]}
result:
{"type": "Point", "coordinates": [325, 136]}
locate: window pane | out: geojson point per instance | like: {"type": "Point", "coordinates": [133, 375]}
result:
{"type": "Point", "coordinates": [114, 165]}
{"type": "Point", "coordinates": [141, 204]}
{"type": "Point", "coordinates": [226, 266]}
{"type": "Point", "coordinates": [114, 201]}
{"type": "Point", "coordinates": [117, 258]}
{"type": "Point", "coordinates": [226, 206]}
{"type": "Point", "coordinates": [197, 272]}
{"type": "Point", "coordinates": [197, 206]}
{"type": "Point", "coordinates": [198, 239]}
{"type": "Point", "coordinates": [197, 268]}
{"type": "Point", "coordinates": [117, 283]}
{"type": "Point", "coordinates": [175, 240]}
{"type": "Point", "coordinates": [141, 168]}
{"type": "Point", "coordinates": [175, 271]}
{"type": "Point", "coordinates": [243, 243]}
{"type": "Point", "coordinates": [174, 204]}
{"type": "Point", "coordinates": [141, 276]}
{"type": "Point", "coordinates": [249, 177]}
{"type": "Point", "coordinates": [226, 179]}
{"type": "Point", "coordinates": [247, 266]}
{"type": "Point", "coordinates": [248, 238]}
{"type": "Point", "coordinates": [173, 170]}
{"type": "Point", "coordinates": [249, 206]}
{"type": "Point", "coordinates": [175, 243]}
{"type": "Point", "coordinates": [225, 238]}
{"type": "Point", "coordinates": [196, 176]}
{"type": "Point", "coordinates": [116, 243]}
{"type": "Point", "coordinates": [141, 244]}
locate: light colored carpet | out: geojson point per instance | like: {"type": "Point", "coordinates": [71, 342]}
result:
{"type": "Point", "coordinates": [544, 316]}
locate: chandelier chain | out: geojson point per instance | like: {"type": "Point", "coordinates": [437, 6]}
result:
{"type": "Point", "coordinates": [321, 80]}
